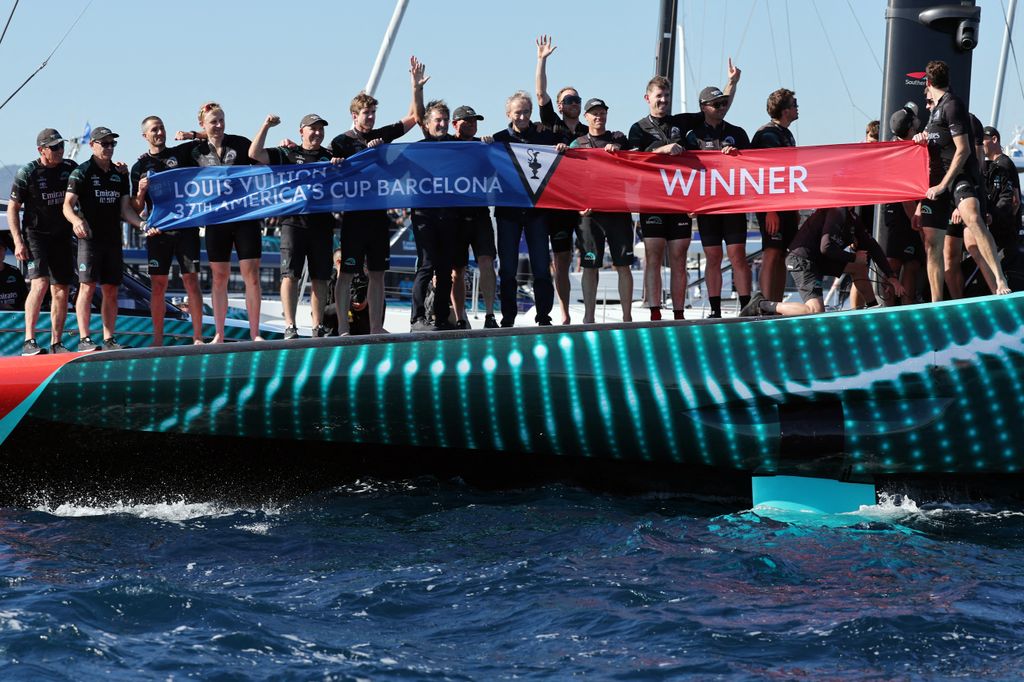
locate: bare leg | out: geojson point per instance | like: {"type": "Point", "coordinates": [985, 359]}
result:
{"type": "Point", "coordinates": [654, 254]}
{"type": "Point", "coordinates": [888, 295]}
{"type": "Point", "coordinates": [561, 262]}
{"type": "Point", "coordinates": [195, 304]}
{"type": "Point", "coordinates": [289, 300]}
{"type": "Point", "coordinates": [33, 304]}
{"type": "Point", "coordinates": [626, 291]}
{"type": "Point", "coordinates": [589, 283]}
{"type": "Point", "coordinates": [971, 244]}
{"type": "Point", "coordinates": [772, 260]}
{"type": "Point", "coordinates": [375, 298]}
{"type": "Point", "coordinates": [677, 249]}
{"type": "Point", "coordinates": [318, 301]}
{"type": "Point", "coordinates": [861, 284]}
{"type": "Point", "coordinates": [933, 240]}
{"type": "Point", "coordinates": [811, 307]}
{"type": "Point", "coordinates": [250, 268]}
{"type": "Point", "coordinates": [713, 270]}
{"type": "Point", "coordinates": [741, 277]}
{"type": "Point", "coordinates": [459, 293]}
{"type": "Point", "coordinates": [911, 271]}
{"type": "Point", "coordinates": [157, 306]}
{"type": "Point", "coordinates": [952, 256]}
{"type": "Point", "coordinates": [969, 210]}
{"type": "Point", "coordinates": [58, 311]}
{"type": "Point", "coordinates": [83, 307]}
{"type": "Point", "coordinates": [108, 309]}
{"type": "Point", "coordinates": [488, 282]}
{"type": "Point", "coordinates": [219, 298]}
{"type": "Point", "coordinates": [343, 301]}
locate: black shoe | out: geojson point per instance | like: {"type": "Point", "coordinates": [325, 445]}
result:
{"type": "Point", "coordinates": [112, 344]}
{"type": "Point", "coordinates": [753, 306]}
{"type": "Point", "coordinates": [505, 323]}
{"type": "Point", "coordinates": [443, 327]}
{"type": "Point", "coordinates": [543, 321]}
{"type": "Point", "coordinates": [87, 345]}
{"type": "Point", "coordinates": [463, 324]}
{"type": "Point", "coordinates": [714, 316]}
{"type": "Point", "coordinates": [319, 331]}
{"type": "Point", "coordinates": [490, 322]}
{"type": "Point", "coordinates": [420, 324]}
{"type": "Point", "coordinates": [291, 332]}
{"type": "Point", "coordinates": [30, 347]}
{"type": "Point", "coordinates": [58, 348]}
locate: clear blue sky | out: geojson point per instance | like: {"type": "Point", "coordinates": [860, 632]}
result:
{"type": "Point", "coordinates": [127, 59]}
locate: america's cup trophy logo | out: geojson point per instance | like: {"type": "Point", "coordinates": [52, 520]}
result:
{"type": "Point", "coordinates": [534, 164]}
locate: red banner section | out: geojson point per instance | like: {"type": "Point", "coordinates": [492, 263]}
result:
{"type": "Point", "coordinates": [779, 179]}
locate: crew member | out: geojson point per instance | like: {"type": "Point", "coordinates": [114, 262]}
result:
{"type": "Point", "coordinates": [475, 229]}
{"type": "Point", "coordinates": [953, 246]}
{"type": "Point", "coordinates": [953, 175]}
{"type": "Point", "coordinates": [662, 133]}
{"type": "Point", "coordinates": [777, 227]}
{"type": "Point", "coordinates": [713, 132]}
{"type": "Point", "coordinates": [830, 242]}
{"type": "Point", "coordinates": [903, 245]}
{"type": "Point", "coordinates": [364, 234]}
{"type": "Point", "coordinates": [163, 247]}
{"type": "Point", "coordinates": [562, 225]}
{"type": "Point", "coordinates": [434, 230]}
{"type": "Point", "coordinates": [1002, 193]}
{"type": "Point", "coordinates": [43, 237]}
{"type": "Point", "coordinates": [307, 240]}
{"type": "Point", "coordinates": [245, 236]}
{"type": "Point", "coordinates": [513, 223]}
{"type": "Point", "coordinates": [597, 227]}
{"type": "Point", "coordinates": [13, 292]}
{"type": "Point", "coordinates": [97, 199]}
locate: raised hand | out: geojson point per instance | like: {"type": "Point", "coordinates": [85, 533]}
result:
{"type": "Point", "coordinates": [545, 46]}
{"type": "Point", "coordinates": [734, 72]}
{"type": "Point", "coordinates": [417, 69]}
{"type": "Point", "coordinates": [272, 120]}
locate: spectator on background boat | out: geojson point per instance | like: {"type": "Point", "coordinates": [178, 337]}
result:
{"type": "Point", "coordinates": [98, 198]}
{"type": "Point", "coordinates": [42, 237]}
{"type": "Point", "coordinates": [598, 227]}
{"type": "Point", "coordinates": [364, 234]}
{"type": "Point", "coordinates": [213, 147]}
{"type": "Point", "coordinates": [662, 133]}
{"type": "Point", "coordinates": [713, 132]}
{"type": "Point", "coordinates": [562, 225]}
{"type": "Point", "coordinates": [164, 247]}
{"type": "Point", "coordinates": [871, 131]}
{"type": "Point", "coordinates": [777, 227]}
{"type": "Point", "coordinates": [954, 176]}
{"type": "Point", "coordinates": [307, 240]}
{"type": "Point", "coordinates": [434, 230]}
{"type": "Point", "coordinates": [13, 292]}
{"type": "Point", "coordinates": [475, 229]}
{"type": "Point", "coordinates": [513, 223]}
{"type": "Point", "coordinates": [903, 245]}
{"type": "Point", "coordinates": [830, 242]}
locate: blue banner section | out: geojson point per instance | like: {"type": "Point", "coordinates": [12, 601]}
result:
{"type": "Point", "coordinates": [419, 175]}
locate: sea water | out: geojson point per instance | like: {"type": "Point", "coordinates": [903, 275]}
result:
{"type": "Point", "coordinates": [428, 579]}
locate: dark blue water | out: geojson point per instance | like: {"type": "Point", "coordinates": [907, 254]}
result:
{"type": "Point", "coordinates": [430, 580]}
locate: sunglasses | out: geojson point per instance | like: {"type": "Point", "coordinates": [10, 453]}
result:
{"type": "Point", "coordinates": [110, 144]}
{"type": "Point", "coordinates": [571, 99]}
{"type": "Point", "coordinates": [721, 104]}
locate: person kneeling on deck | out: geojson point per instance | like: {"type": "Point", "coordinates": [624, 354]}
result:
{"type": "Point", "coordinates": [13, 291]}
{"type": "Point", "coordinates": [830, 242]}
{"type": "Point", "coordinates": [305, 238]}
{"type": "Point", "coordinates": [97, 198]}
{"type": "Point", "coordinates": [596, 227]}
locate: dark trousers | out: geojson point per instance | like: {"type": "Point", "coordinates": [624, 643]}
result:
{"type": "Point", "coordinates": [511, 227]}
{"type": "Point", "coordinates": [434, 232]}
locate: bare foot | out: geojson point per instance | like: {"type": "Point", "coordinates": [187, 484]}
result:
{"type": "Point", "coordinates": [217, 338]}
{"type": "Point", "coordinates": [257, 338]}
{"type": "Point", "coordinates": [566, 320]}
{"type": "Point", "coordinates": [1003, 290]}
{"type": "Point", "coordinates": [198, 342]}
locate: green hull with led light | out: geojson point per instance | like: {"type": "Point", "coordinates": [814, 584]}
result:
{"type": "Point", "coordinates": [908, 390]}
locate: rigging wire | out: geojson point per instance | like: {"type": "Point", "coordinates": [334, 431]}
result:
{"type": "Point", "coordinates": [1016, 67]}
{"type": "Point", "coordinates": [865, 36]}
{"type": "Point", "coordinates": [8, 24]}
{"type": "Point", "coordinates": [839, 68]}
{"type": "Point", "coordinates": [686, 55]}
{"type": "Point", "coordinates": [775, 44]}
{"type": "Point", "coordinates": [47, 60]}
{"type": "Point", "coordinates": [792, 71]}
{"type": "Point", "coordinates": [743, 36]}
{"type": "Point", "coordinates": [725, 16]}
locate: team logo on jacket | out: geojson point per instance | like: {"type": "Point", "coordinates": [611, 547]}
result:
{"type": "Point", "coordinates": [535, 164]}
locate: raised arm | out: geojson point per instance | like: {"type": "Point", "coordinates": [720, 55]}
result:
{"type": "Point", "coordinates": [418, 78]}
{"type": "Point", "coordinates": [545, 46]}
{"type": "Point", "coordinates": [256, 148]}
{"type": "Point", "coordinates": [730, 86]}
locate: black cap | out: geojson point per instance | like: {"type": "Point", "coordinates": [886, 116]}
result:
{"type": "Point", "coordinates": [99, 133]}
{"type": "Point", "coordinates": [465, 113]}
{"type": "Point", "coordinates": [48, 137]}
{"type": "Point", "coordinates": [710, 94]}
{"type": "Point", "coordinates": [989, 131]}
{"type": "Point", "coordinates": [902, 120]}
{"type": "Point", "coordinates": [310, 119]}
{"type": "Point", "coordinates": [593, 103]}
